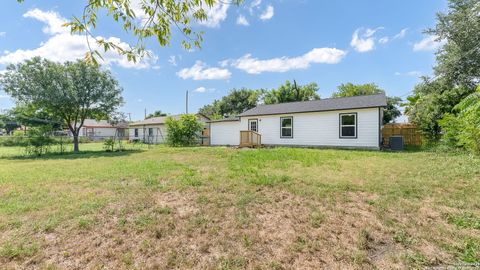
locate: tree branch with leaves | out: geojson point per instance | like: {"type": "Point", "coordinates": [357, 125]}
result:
{"type": "Point", "coordinates": [143, 19]}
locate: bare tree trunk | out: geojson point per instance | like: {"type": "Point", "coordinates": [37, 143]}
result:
{"type": "Point", "coordinates": [75, 142]}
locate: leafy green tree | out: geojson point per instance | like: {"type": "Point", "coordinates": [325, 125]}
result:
{"type": "Point", "coordinates": [236, 102]}
{"type": "Point", "coordinates": [72, 91]}
{"type": "Point", "coordinates": [142, 20]}
{"type": "Point", "coordinates": [213, 110]}
{"type": "Point", "coordinates": [457, 71]}
{"type": "Point", "coordinates": [430, 101]}
{"type": "Point", "coordinates": [350, 90]}
{"type": "Point", "coordinates": [184, 131]}
{"type": "Point", "coordinates": [458, 61]}
{"type": "Point", "coordinates": [289, 92]}
{"type": "Point", "coordinates": [156, 114]}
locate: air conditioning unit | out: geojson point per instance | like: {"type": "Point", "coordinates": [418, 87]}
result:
{"type": "Point", "coordinates": [396, 143]}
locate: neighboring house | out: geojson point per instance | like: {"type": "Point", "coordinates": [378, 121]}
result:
{"type": "Point", "coordinates": [102, 129]}
{"type": "Point", "coordinates": [351, 122]}
{"type": "Point", "coordinates": [153, 130]}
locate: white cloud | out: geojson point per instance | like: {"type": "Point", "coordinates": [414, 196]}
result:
{"type": "Point", "coordinates": [401, 34]}
{"type": "Point", "coordinates": [202, 89]}
{"type": "Point", "coordinates": [4, 96]}
{"type": "Point", "coordinates": [53, 21]}
{"type": "Point", "coordinates": [413, 73]}
{"type": "Point", "coordinates": [383, 40]}
{"type": "Point", "coordinates": [429, 43]}
{"type": "Point", "coordinates": [363, 39]}
{"type": "Point", "coordinates": [173, 60]}
{"type": "Point", "coordinates": [224, 63]}
{"type": "Point", "coordinates": [200, 71]}
{"type": "Point", "coordinates": [136, 6]}
{"type": "Point", "coordinates": [2, 34]}
{"type": "Point", "coordinates": [139, 100]}
{"type": "Point", "coordinates": [241, 20]}
{"type": "Point", "coordinates": [216, 14]}
{"type": "Point", "coordinates": [63, 46]}
{"type": "Point", "coordinates": [283, 64]}
{"type": "Point", "coordinates": [267, 14]}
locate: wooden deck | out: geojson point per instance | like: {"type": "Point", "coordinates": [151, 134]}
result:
{"type": "Point", "coordinates": [250, 138]}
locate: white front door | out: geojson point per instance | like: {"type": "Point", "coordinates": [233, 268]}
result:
{"type": "Point", "coordinates": [253, 125]}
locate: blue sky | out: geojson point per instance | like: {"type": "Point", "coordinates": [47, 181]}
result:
{"type": "Point", "coordinates": [257, 45]}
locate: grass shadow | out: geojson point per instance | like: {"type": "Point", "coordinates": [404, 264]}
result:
{"type": "Point", "coordinates": [79, 155]}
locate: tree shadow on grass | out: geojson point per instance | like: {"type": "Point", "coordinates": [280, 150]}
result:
{"type": "Point", "coordinates": [79, 155]}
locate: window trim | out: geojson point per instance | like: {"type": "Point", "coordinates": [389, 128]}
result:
{"type": "Point", "coordinates": [249, 125]}
{"type": "Point", "coordinates": [281, 128]}
{"type": "Point", "coordinates": [150, 135]}
{"type": "Point", "coordinates": [135, 132]}
{"type": "Point", "coordinates": [340, 125]}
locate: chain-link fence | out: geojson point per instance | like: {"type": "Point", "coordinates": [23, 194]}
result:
{"type": "Point", "coordinates": [40, 145]}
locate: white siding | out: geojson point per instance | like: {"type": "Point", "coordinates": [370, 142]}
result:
{"type": "Point", "coordinates": [312, 129]}
{"type": "Point", "coordinates": [159, 133]}
{"type": "Point", "coordinates": [97, 132]}
{"type": "Point", "coordinates": [225, 133]}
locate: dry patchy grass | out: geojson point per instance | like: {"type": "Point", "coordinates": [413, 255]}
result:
{"type": "Point", "coordinates": [221, 208]}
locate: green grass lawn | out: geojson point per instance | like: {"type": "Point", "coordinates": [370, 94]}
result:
{"type": "Point", "coordinates": [222, 208]}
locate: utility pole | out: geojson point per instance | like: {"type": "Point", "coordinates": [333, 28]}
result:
{"type": "Point", "coordinates": [186, 103]}
{"type": "Point", "coordinates": [145, 117]}
{"type": "Point", "coordinates": [296, 89]}
{"type": "Point", "coordinates": [129, 117]}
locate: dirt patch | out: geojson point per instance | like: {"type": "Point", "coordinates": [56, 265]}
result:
{"type": "Point", "coordinates": [272, 229]}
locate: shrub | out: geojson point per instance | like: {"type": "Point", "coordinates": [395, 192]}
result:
{"type": "Point", "coordinates": [39, 141]}
{"type": "Point", "coordinates": [109, 144]}
{"type": "Point", "coordinates": [463, 129]}
{"type": "Point", "coordinates": [184, 131]}
{"type": "Point", "coordinates": [17, 138]}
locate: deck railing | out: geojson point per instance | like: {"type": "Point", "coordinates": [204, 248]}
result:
{"type": "Point", "coordinates": [250, 138]}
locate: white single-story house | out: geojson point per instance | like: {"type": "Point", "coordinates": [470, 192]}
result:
{"type": "Point", "coordinates": [153, 130]}
{"type": "Point", "coordinates": [350, 122]}
{"type": "Point", "coordinates": [102, 129]}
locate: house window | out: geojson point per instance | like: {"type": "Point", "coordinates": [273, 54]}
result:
{"type": "Point", "coordinates": [136, 132]}
{"type": "Point", "coordinates": [348, 125]}
{"type": "Point", "coordinates": [286, 127]}
{"type": "Point", "coordinates": [150, 131]}
{"type": "Point", "coordinates": [253, 125]}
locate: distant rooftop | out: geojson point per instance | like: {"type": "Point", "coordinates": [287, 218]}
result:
{"type": "Point", "coordinates": [161, 120]}
{"type": "Point", "coordinates": [103, 124]}
{"type": "Point", "coordinates": [155, 120]}
{"type": "Point", "coordinates": [328, 104]}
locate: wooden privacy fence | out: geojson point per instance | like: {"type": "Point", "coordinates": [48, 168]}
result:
{"type": "Point", "coordinates": [205, 138]}
{"type": "Point", "coordinates": [411, 134]}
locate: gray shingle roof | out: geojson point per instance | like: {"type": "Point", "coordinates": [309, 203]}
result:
{"type": "Point", "coordinates": [328, 104]}
{"type": "Point", "coordinates": [231, 119]}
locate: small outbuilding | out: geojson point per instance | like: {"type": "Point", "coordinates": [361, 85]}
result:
{"type": "Point", "coordinates": [350, 122]}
